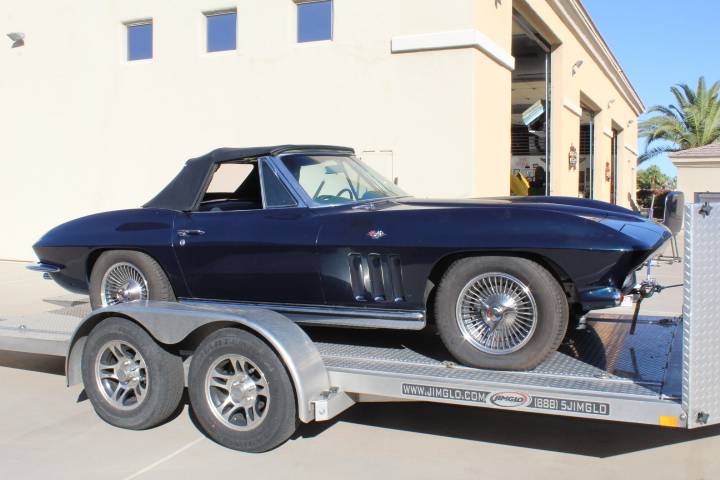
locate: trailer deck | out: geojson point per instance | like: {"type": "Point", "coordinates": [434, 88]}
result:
{"type": "Point", "coordinates": [600, 372]}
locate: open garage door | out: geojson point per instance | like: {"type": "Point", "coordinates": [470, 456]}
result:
{"type": "Point", "coordinates": [530, 111]}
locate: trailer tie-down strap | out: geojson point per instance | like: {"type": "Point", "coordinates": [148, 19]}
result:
{"type": "Point", "coordinates": [646, 290]}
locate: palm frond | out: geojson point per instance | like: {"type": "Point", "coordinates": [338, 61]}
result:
{"type": "Point", "coordinates": [693, 121]}
{"type": "Point", "coordinates": [655, 151]}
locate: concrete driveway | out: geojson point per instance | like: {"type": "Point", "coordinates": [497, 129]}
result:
{"type": "Point", "coordinates": [50, 431]}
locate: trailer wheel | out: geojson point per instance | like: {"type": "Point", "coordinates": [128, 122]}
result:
{"type": "Point", "coordinates": [504, 313]}
{"type": "Point", "coordinates": [131, 381]}
{"type": "Point", "coordinates": [241, 393]}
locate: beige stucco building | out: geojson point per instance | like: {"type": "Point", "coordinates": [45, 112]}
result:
{"type": "Point", "coordinates": [449, 98]}
{"type": "Point", "coordinates": [698, 173]}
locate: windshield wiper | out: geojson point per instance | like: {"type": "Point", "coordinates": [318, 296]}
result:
{"type": "Point", "coordinates": [372, 205]}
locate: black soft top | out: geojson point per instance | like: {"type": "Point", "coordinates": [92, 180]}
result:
{"type": "Point", "coordinates": [184, 191]}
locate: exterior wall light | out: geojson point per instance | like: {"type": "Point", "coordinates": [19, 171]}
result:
{"type": "Point", "coordinates": [18, 39]}
{"type": "Point", "coordinates": [572, 157]}
{"type": "Point", "coordinates": [610, 102]}
{"type": "Point", "coordinates": [576, 67]}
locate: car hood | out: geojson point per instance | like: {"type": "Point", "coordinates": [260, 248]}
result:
{"type": "Point", "coordinates": [567, 205]}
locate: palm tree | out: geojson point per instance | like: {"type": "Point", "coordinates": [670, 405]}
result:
{"type": "Point", "coordinates": [693, 122]}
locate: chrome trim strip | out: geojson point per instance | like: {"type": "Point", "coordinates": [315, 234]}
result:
{"type": "Point", "coordinates": [357, 322]}
{"type": "Point", "coordinates": [43, 268]}
{"type": "Point", "coordinates": [343, 312]}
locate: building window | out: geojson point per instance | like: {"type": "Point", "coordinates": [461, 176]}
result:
{"type": "Point", "coordinates": [315, 21]}
{"type": "Point", "coordinates": [221, 31]}
{"type": "Point", "coordinates": [140, 40]}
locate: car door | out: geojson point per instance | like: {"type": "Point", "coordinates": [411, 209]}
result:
{"type": "Point", "coordinates": [234, 250]}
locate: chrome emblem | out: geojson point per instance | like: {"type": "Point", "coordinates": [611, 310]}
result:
{"type": "Point", "coordinates": [376, 234]}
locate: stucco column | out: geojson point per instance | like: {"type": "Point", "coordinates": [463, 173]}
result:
{"type": "Point", "coordinates": [493, 103]}
{"type": "Point", "coordinates": [603, 155]}
{"type": "Point", "coordinates": [564, 126]}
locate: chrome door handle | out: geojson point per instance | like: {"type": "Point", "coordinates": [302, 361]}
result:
{"type": "Point", "coordinates": [190, 233]}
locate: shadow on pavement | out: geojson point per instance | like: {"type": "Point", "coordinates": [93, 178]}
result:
{"type": "Point", "coordinates": [33, 362]}
{"type": "Point", "coordinates": [592, 438]}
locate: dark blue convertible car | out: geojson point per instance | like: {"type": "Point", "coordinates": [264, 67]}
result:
{"type": "Point", "coordinates": [313, 233]}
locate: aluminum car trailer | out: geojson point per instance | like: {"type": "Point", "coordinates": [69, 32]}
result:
{"type": "Point", "coordinates": [666, 374]}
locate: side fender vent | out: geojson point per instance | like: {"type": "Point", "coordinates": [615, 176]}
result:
{"type": "Point", "coordinates": [376, 277]}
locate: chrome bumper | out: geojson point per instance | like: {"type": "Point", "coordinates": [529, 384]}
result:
{"type": "Point", "coordinates": [46, 269]}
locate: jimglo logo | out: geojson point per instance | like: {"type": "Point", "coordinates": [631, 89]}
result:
{"type": "Point", "coordinates": [509, 399]}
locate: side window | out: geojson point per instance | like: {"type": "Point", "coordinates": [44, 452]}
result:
{"type": "Point", "coordinates": [234, 186]}
{"type": "Point", "coordinates": [229, 176]}
{"type": "Point", "coordinates": [274, 191]}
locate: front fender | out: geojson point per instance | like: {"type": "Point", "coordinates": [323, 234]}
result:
{"type": "Point", "coordinates": [170, 323]}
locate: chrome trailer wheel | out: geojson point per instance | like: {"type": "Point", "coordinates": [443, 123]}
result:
{"type": "Point", "coordinates": [237, 392]}
{"type": "Point", "coordinates": [241, 393]}
{"type": "Point", "coordinates": [121, 375]}
{"type": "Point", "coordinates": [496, 313]}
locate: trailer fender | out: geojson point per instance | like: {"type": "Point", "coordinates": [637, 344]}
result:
{"type": "Point", "coordinates": [171, 322]}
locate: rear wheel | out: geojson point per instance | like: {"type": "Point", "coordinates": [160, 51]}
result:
{"type": "Point", "coordinates": [502, 313]}
{"type": "Point", "coordinates": [121, 276]}
{"type": "Point", "coordinates": [241, 393]}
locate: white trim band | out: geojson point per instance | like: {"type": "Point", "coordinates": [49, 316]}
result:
{"type": "Point", "coordinates": [454, 39]}
{"type": "Point", "coordinates": [572, 106]}
{"type": "Point", "coordinates": [631, 150]}
{"type": "Point", "coordinates": [608, 133]}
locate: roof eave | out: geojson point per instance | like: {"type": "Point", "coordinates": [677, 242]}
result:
{"type": "Point", "coordinates": [577, 19]}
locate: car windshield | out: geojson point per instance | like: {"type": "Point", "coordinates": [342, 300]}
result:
{"type": "Point", "coordinates": [333, 180]}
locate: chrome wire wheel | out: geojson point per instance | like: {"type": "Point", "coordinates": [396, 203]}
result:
{"type": "Point", "coordinates": [237, 392]}
{"type": "Point", "coordinates": [123, 282]}
{"type": "Point", "coordinates": [121, 375]}
{"type": "Point", "coordinates": [496, 313]}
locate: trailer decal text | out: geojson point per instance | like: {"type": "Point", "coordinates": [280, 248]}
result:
{"type": "Point", "coordinates": [567, 405]}
{"type": "Point", "coordinates": [444, 393]}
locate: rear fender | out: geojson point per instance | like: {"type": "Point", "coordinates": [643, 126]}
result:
{"type": "Point", "coordinates": [170, 323]}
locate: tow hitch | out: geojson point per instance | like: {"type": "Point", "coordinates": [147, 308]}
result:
{"type": "Point", "coordinates": [644, 290]}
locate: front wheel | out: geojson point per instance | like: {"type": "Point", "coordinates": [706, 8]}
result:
{"type": "Point", "coordinates": [504, 313]}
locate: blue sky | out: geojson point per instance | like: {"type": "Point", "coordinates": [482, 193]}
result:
{"type": "Point", "coordinates": [660, 43]}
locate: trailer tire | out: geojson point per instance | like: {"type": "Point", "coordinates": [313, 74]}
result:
{"type": "Point", "coordinates": [515, 299]}
{"type": "Point", "coordinates": [241, 393]}
{"type": "Point", "coordinates": [144, 371]}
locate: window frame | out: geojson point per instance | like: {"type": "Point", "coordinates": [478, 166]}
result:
{"type": "Point", "coordinates": [261, 162]}
{"type": "Point", "coordinates": [264, 162]}
{"type": "Point", "coordinates": [217, 13]}
{"type": "Point", "coordinates": [299, 193]}
{"type": "Point", "coordinates": [298, 5]}
{"type": "Point", "coordinates": [139, 23]}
